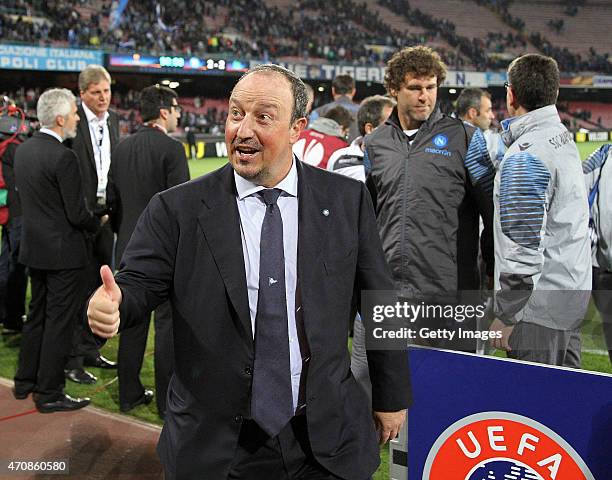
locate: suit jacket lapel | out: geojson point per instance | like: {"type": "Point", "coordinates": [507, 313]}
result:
{"type": "Point", "coordinates": [86, 135]}
{"type": "Point", "coordinates": [110, 123]}
{"type": "Point", "coordinates": [220, 223]}
{"type": "Point", "coordinates": [312, 230]}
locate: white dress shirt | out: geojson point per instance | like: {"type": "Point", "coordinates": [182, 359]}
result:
{"type": "Point", "coordinates": [52, 133]}
{"type": "Point", "coordinates": [252, 210]}
{"type": "Point", "coordinates": [100, 142]}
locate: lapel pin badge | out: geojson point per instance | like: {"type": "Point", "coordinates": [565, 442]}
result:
{"type": "Point", "coordinates": [325, 212]}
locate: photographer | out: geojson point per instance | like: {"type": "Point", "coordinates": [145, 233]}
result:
{"type": "Point", "coordinates": [13, 275]}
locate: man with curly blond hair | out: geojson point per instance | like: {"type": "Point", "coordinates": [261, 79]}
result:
{"type": "Point", "coordinates": [431, 179]}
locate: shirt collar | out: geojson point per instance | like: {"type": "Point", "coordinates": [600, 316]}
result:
{"type": "Point", "coordinates": [52, 133]}
{"type": "Point", "coordinates": [157, 126]}
{"type": "Point", "coordinates": [288, 184]}
{"type": "Point", "coordinates": [514, 127]}
{"type": "Point", "coordinates": [469, 123]}
{"type": "Point", "coordinates": [358, 142]}
{"type": "Point", "coordinates": [91, 117]}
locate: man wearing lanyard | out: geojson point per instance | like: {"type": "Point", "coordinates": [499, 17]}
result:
{"type": "Point", "coordinates": [97, 135]}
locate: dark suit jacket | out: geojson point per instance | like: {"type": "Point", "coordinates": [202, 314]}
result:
{"type": "Point", "coordinates": [144, 164]}
{"type": "Point", "coordinates": [187, 247]}
{"type": "Point", "coordinates": [82, 146]}
{"type": "Point", "coordinates": [54, 214]}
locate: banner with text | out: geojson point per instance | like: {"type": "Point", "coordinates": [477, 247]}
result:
{"type": "Point", "coordinates": [480, 417]}
{"type": "Point", "coordinates": [22, 57]}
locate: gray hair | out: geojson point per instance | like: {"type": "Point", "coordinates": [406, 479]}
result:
{"type": "Point", "coordinates": [54, 102]}
{"type": "Point", "coordinates": [298, 88]}
{"type": "Point", "coordinates": [92, 74]}
{"type": "Point", "coordinates": [371, 110]}
{"type": "Point", "coordinates": [470, 98]}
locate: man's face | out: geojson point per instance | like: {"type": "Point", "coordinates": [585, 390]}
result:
{"type": "Point", "coordinates": [416, 99]}
{"type": "Point", "coordinates": [258, 130]}
{"type": "Point", "coordinates": [70, 123]}
{"type": "Point", "coordinates": [485, 115]}
{"type": "Point", "coordinates": [97, 97]}
{"type": "Point", "coordinates": [384, 114]}
{"type": "Point", "coordinates": [174, 114]}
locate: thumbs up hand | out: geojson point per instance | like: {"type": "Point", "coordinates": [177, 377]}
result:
{"type": "Point", "coordinates": [103, 307]}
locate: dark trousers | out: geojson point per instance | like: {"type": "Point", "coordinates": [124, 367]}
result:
{"type": "Point", "coordinates": [602, 294]}
{"type": "Point", "coordinates": [536, 343]}
{"type": "Point", "coordinates": [284, 457]}
{"type": "Point", "coordinates": [101, 253]}
{"type": "Point", "coordinates": [132, 345]}
{"type": "Point", "coordinates": [13, 277]}
{"type": "Point", "coordinates": [47, 334]}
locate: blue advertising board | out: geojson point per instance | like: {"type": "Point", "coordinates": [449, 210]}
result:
{"type": "Point", "coordinates": [25, 57]}
{"type": "Point", "coordinates": [484, 418]}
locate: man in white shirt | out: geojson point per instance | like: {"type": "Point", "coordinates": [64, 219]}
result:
{"type": "Point", "coordinates": [97, 135]}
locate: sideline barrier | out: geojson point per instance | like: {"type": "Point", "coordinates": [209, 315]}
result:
{"type": "Point", "coordinates": [485, 418]}
{"type": "Point", "coordinates": [207, 146]}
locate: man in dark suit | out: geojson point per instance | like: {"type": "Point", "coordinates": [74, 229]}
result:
{"type": "Point", "coordinates": [97, 135]}
{"type": "Point", "coordinates": [143, 164]}
{"type": "Point", "coordinates": [53, 246]}
{"type": "Point", "coordinates": [261, 261]}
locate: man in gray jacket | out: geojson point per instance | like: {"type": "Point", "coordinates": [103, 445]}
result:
{"type": "Point", "coordinates": [542, 251]}
{"type": "Point", "coordinates": [431, 179]}
{"type": "Point", "coordinates": [598, 176]}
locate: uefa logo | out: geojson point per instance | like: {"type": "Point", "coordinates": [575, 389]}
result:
{"type": "Point", "coordinates": [440, 140]}
{"type": "Point", "coordinates": [502, 446]}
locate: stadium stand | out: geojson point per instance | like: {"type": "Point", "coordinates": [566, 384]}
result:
{"type": "Point", "coordinates": [345, 31]}
{"type": "Point", "coordinates": [594, 114]}
{"type": "Point", "coordinates": [569, 38]}
{"type": "Point", "coordinates": [577, 32]}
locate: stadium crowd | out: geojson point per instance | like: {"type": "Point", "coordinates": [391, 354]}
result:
{"type": "Point", "coordinates": [197, 115]}
{"type": "Point", "coordinates": [351, 31]}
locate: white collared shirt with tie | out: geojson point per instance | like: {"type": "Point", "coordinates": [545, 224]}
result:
{"type": "Point", "coordinates": [252, 211]}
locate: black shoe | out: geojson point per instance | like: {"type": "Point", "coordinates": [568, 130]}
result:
{"type": "Point", "coordinates": [11, 331]}
{"type": "Point", "coordinates": [145, 399]}
{"type": "Point", "coordinates": [21, 394]}
{"type": "Point", "coordinates": [79, 375]}
{"type": "Point", "coordinates": [64, 404]}
{"type": "Point", "coordinates": [99, 362]}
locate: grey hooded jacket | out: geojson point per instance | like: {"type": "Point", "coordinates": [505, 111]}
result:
{"type": "Point", "coordinates": [542, 248]}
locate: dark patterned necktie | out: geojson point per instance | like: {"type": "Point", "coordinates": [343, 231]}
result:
{"type": "Point", "coordinates": [271, 400]}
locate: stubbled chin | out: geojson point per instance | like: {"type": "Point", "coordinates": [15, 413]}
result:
{"type": "Point", "coordinates": [248, 171]}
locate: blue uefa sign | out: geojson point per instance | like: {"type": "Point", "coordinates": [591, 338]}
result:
{"type": "Point", "coordinates": [478, 418]}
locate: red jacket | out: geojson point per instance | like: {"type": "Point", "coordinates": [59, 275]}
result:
{"type": "Point", "coordinates": [315, 148]}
